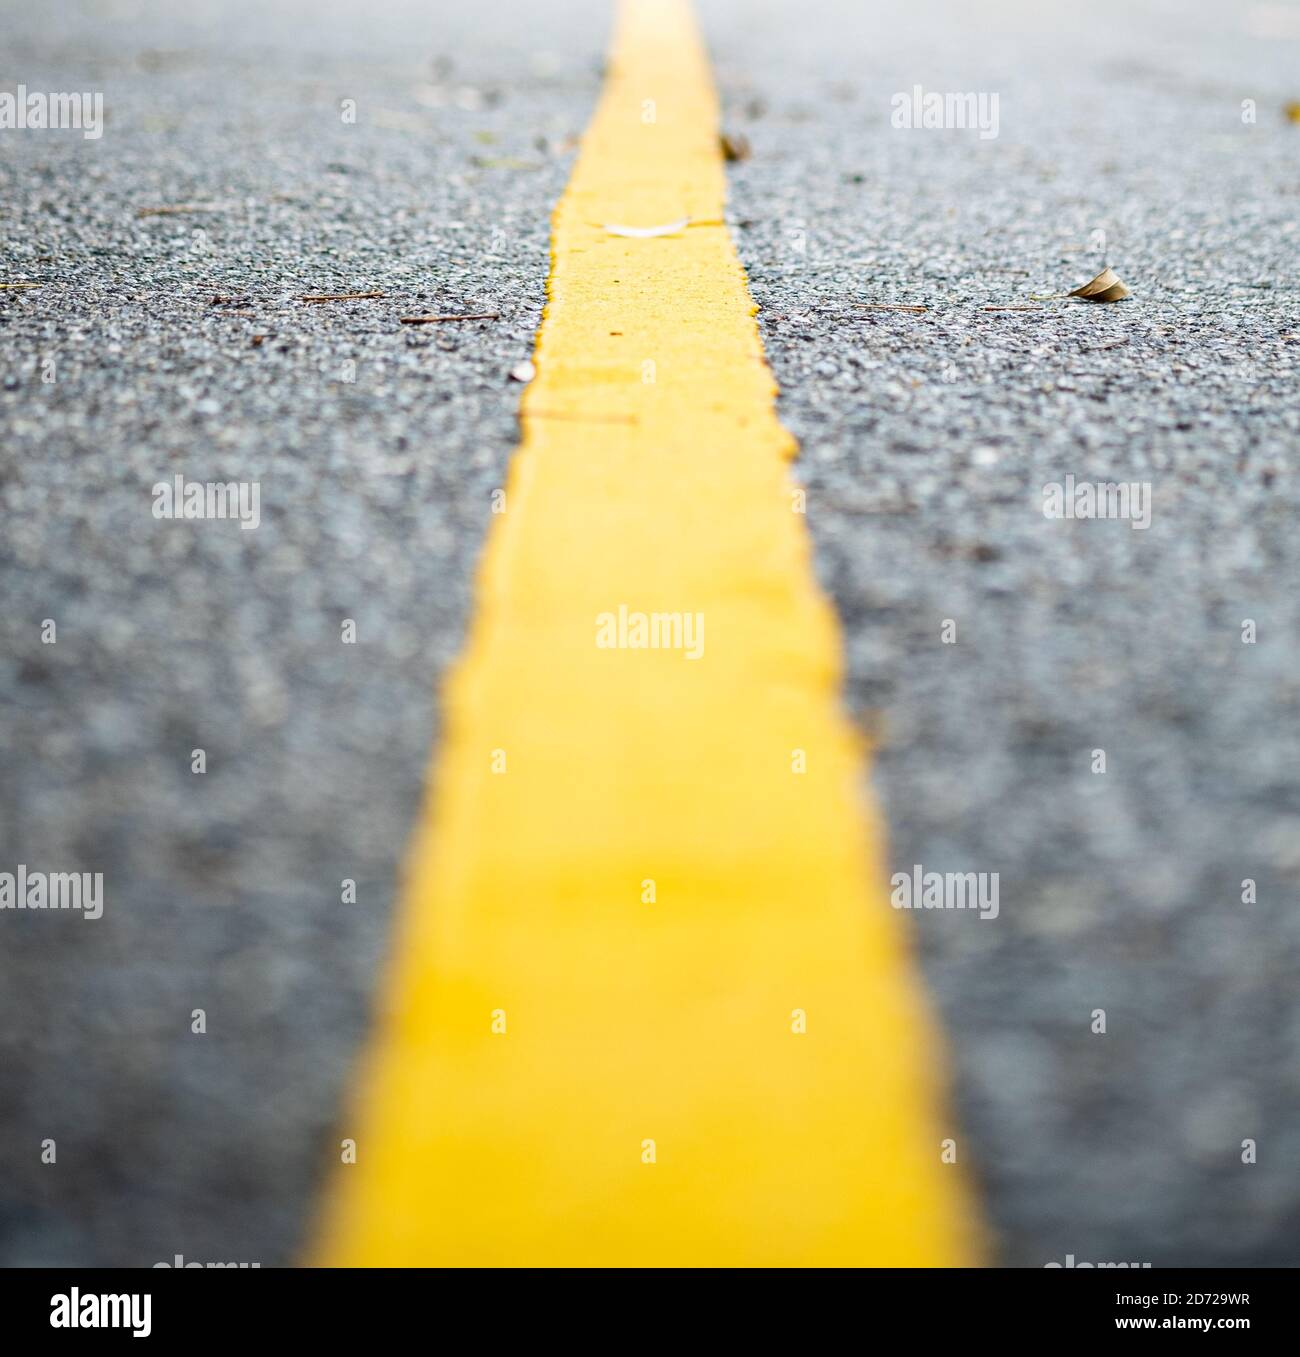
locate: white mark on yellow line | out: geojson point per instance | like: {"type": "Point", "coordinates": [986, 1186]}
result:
{"type": "Point", "coordinates": [732, 1064]}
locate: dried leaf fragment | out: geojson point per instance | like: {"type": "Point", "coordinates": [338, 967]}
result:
{"type": "Point", "coordinates": [1105, 287]}
{"type": "Point", "coordinates": [177, 209]}
{"type": "Point", "coordinates": [735, 145]}
{"type": "Point", "coordinates": [647, 232]}
{"type": "Point", "coordinates": [1291, 111]}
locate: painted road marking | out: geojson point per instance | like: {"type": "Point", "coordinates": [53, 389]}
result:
{"type": "Point", "coordinates": [649, 1004]}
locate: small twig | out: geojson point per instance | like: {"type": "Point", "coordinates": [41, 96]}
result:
{"type": "Point", "coordinates": [891, 306]}
{"type": "Point", "coordinates": [1011, 308]}
{"type": "Point", "coordinates": [174, 209]}
{"type": "Point", "coordinates": [341, 297]}
{"type": "Point", "coordinates": [15, 287]}
{"type": "Point", "coordinates": [436, 320]}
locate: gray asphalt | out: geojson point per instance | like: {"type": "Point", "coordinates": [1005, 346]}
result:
{"type": "Point", "coordinates": [927, 439]}
{"type": "Point", "coordinates": [223, 891]}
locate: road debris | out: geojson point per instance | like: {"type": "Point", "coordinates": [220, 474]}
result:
{"type": "Point", "coordinates": [647, 232]}
{"type": "Point", "coordinates": [317, 298]}
{"type": "Point", "coordinates": [1105, 287]}
{"type": "Point", "coordinates": [735, 146]}
{"type": "Point", "coordinates": [504, 162]}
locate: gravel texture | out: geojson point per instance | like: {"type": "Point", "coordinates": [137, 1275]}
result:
{"type": "Point", "coordinates": [927, 442]}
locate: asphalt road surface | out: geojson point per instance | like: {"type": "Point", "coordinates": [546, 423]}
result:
{"type": "Point", "coordinates": [164, 343]}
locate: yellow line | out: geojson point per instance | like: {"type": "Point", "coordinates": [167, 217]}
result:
{"type": "Point", "coordinates": [627, 903]}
